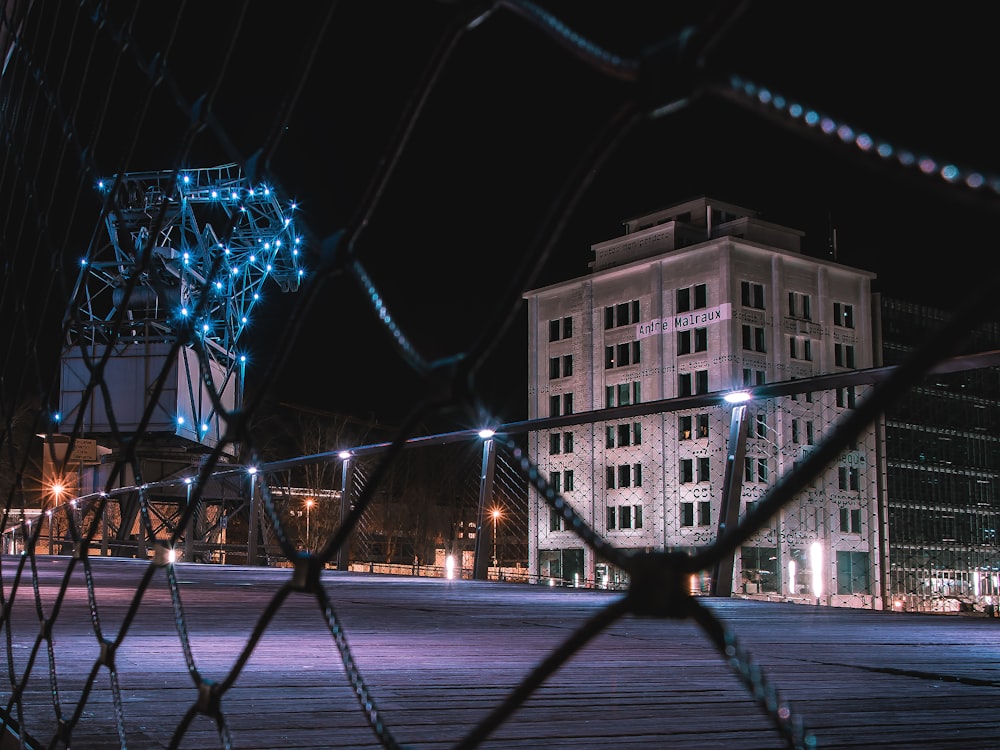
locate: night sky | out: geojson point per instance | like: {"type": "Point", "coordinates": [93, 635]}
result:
{"type": "Point", "coordinates": [510, 118]}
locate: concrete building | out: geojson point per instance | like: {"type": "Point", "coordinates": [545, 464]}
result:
{"type": "Point", "coordinates": [701, 299]}
{"type": "Point", "coordinates": [942, 468]}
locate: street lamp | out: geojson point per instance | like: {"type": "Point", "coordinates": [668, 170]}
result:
{"type": "Point", "coordinates": [496, 517]}
{"type": "Point", "coordinates": [57, 491]}
{"type": "Point", "coordinates": [309, 505]}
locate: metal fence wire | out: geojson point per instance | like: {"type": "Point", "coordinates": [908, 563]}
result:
{"type": "Point", "coordinates": [128, 342]}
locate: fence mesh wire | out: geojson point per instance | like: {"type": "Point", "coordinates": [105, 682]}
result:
{"type": "Point", "coordinates": [146, 221]}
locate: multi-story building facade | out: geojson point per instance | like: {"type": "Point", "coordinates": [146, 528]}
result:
{"type": "Point", "coordinates": [702, 298]}
{"type": "Point", "coordinates": [942, 468]}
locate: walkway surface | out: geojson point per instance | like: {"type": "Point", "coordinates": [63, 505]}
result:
{"type": "Point", "coordinates": [433, 658]}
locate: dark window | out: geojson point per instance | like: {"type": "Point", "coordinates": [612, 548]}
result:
{"type": "Point", "coordinates": [683, 299]}
{"type": "Point", "coordinates": [704, 474]}
{"type": "Point", "coordinates": [701, 339]}
{"type": "Point", "coordinates": [701, 381]}
{"type": "Point", "coordinates": [752, 295]}
{"type": "Point", "coordinates": [625, 517]}
{"type": "Point", "coordinates": [684, 384]}
{"type": "Point", "coordinates": [700, 296]}
{"type": "Point", "coordinates": [684, 342]}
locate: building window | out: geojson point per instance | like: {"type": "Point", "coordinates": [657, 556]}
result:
{"type": "Point", "coordinates": [843, 315]}
{"type": "Point", "coordinates": [852, 572]}
{"type": "Point", "coordinates": [704, 473]}
{"type": "Point", "coordinates": [701, 339]}
{"type": "Point", "coordinates": [686, 467]}
{"type": "Point", "coordinates": [810, 433]}
{"type": "Point", "coordinates": [684, 387]}
{"type": "Point", "coordinates": [800, 348]}
{"type": "Point", "coordinates": [624, 516]}
{"type": "Point", "coordinates": [699, 384]}
{"type": "Point", "coordinates": [622, 314]}
{"type": "Point", "coordinates": [684, 342]}
{"type": "Point", "coordinates": [568, 480]}
{"type": "Point", "coordinates": [627, 434]}
{"type": "Point", "coordinates": [843, 355]}
{"type": "Point", "coordinates": [627, 353]}
{"type": "Point", "coordinates": [623, 394]}
{"type": "Point", "coordinates": [848, 479]}
{"type": "Point", "coordinates": [704, 513]}
{"type": "Point", "coordinates": [754, 339]}
{"type": "Point", "coordinates": [553, 368]}
{"type": "Point", "coordinates": [759, 424]}
{"type": "Point", "coordinates": [846, 397]}
{"type": "Point", "coordinates": [701, 381]}
{"type": "Point", "coordinates": [567, 365]}
{"type": "Point", "coordinates": [795, 431]}
{"type": "Point", "coordinates": [755, 470]}
{"type": "Point", "coordinates": [637, 515]}
{"type": "Point", "coordinates": [555, 443]}
{"type": "Point", "coordinates": [850, 520]}
{"type": "Point", "coordinates": [611, 516]}
{"type": "Point", "coordinates": [624, 475]}
{"type": "Point", "coordinates": [693, 426]}
{"type": "Point", "coordinates": [561, 328]}
{"type": "Point", "coordinates": [565, 402]}
{"type": "Point", "coordinates": [799, 306]}
{"type": "Point", "coordinates": [567, 442]}
{"type": "Point", "coordinates": [555, 520]}
{"type": "Point", "coordinates": [752, 377]}
{"type": "Point", "coordinates": [752, 295]}
{"type": "Point", "coordinates": [692, 298]}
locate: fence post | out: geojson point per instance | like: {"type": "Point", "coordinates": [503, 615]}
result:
{"type": "Point", "coordinates": [480, 565]}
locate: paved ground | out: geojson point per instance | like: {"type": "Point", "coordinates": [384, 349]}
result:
{"type": "Point", "coordinates": [433, 658]}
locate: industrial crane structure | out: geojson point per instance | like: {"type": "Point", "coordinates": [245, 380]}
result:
{"type": "Point", "coordinates": [158, 324]}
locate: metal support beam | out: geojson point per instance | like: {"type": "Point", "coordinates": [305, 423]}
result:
{"type": "Point", "coordinates": [346, 501]}
{"type": "Point", "coordinates": [729, 510]}
{"type": "Point", "coordinates": [253, 522]}
{"type": "Point", "coordinates": [480, 566]}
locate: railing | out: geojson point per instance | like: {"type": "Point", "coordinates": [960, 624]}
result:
{"type": "Point", "coordinates": [161, 492]}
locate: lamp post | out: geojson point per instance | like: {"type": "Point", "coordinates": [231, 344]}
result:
{"type": "Point", "coordinates": [496, 517]}
{"type": "Point", "coordinates": [57, 491]}
{"type": "Point", "coordinates": [309, 505]}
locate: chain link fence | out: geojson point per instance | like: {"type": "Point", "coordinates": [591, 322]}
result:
{"type": "Point", "coordinates": [132, 428]}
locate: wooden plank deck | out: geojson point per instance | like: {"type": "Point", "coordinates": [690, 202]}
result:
{"type": "Point", "coordinates": [438, 656]}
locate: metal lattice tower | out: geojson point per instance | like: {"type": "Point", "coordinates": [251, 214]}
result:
{"type": "Point", "coordinates": [189, 256]}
